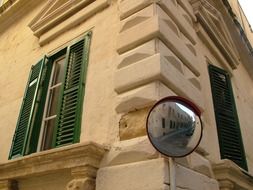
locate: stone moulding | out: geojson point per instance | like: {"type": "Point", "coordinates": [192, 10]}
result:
{"type": "Point", "coordinates": [88, 155]}
{"type": "Point", "coordinates": [58, 16]}
{"type": "Point", "coordinates": [6, 5]}
{"type": "Point", "coordinates": [8, 185]}
{"type": "Point", "coordinates": [232, 177]}
{"type": "Point", "coordinates": [12, 10]}
{"type": "Point", "coordinates": [212, 22]}
{"type": "Point", "coordinates": [54, 12]}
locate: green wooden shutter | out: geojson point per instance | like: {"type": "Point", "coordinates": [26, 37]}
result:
{"type": "Point", "coordinates": [228, 128]}
{"type": "Point", "coordinates": [67, 130]}
{"type": "Point", "coordinates": [39, 108]}
{"type": "Point", "coordinates": [23, 130]}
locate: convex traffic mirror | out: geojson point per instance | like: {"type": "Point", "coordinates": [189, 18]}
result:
{"type": "Point", "coordinates": [174, 126]}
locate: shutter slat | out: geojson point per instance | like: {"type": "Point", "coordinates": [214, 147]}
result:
{"type": "Point", "coordinates": [65, 136]}
{"type": "Point", "coordinates": [65, 127]}
{"type": "Point", "coordinates": [231, 145]}
{"type": "Point", "coordinates": [68, 117]}
{"type": "Point", "coordinates": [64, 141]}
{"type": "Point", "coordinates": [228, 133]}
{"type": "Point", "coordinates": [63, 123]}
{"type": "Point", "coordinates": [66, 131]}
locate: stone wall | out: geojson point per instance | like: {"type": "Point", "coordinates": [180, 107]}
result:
{"type": "Point", "coordinates": [141, 51]}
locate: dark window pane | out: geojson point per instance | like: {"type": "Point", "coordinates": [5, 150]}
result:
{"type": "Point", "coordinates": [58, 71]}
{"type": "Point", "coordinates": [48, 134]}
{"type": "Point", "coordinates": [53, 101]}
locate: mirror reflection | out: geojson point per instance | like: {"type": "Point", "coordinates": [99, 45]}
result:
{"type": "Point", "coordinates": [174, 129]}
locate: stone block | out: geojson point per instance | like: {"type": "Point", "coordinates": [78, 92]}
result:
{"type": "Point", "coordinates": [135, 75]}
{"type": "Point", "coordinates": [184, 161]}
{"type": "Point", "coordinates": [151, 175]}
{"type": "Point", "coordinates": [150, 48]}
{"type": "Point", "coordinates": [141, 97]}
{"type": "Point", "coordinates": [211, 184]}
{"type": "Point", "coordinates": [188, 8]}
{"type": "Point", "coordinates": [165, 30]}
{"type": "Point", "coordinates": [133, 124]}
{"type": "Point", "coordinates": [187, 178]}
{"type": "Point", "coordinates": [128, 151]}
{"type": "Point", "coordinates": [186, 16]}
{"type": "Point", "coordinates": [81, 184]}
{"type": "Point", "coordinates": [144, 175]}
{"type": "Point", "coordinates": [160, 69]}
{"type": "Point", "coordinates": [129, 7]}
{"type": "Point", "coordinates": [132, 37]}
{"type": "Point", "coordinates": [201, 165]}
{"type": "Point", "coordinates": [137, 18]}
{"type": "Point", "coordinates": [137, 54]}
{"type": "Point", "coordinates": [185, 27]}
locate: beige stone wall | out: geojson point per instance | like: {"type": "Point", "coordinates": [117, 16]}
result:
{"type": "Point", "coordinates": [141, 51]}
{"type": "Point", "coordinates": [19, 50]}
{"type": "Point", "coordinates": [50, 182]}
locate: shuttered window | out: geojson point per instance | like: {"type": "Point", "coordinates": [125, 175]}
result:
{"type": "Point", "coordinates": [68, 107]}
{"type": "Point", "coordinates": [228, 128]}
{"type": "Point", "coordinates": [68, 120]}
{"type": "Point", "coordinates": [20, 143]}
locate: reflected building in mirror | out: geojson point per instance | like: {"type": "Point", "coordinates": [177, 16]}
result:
{"type": "Point", "coordinates": [172, 118]}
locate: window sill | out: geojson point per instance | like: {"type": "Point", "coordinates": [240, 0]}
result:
{"type": "Point", "coordinates": [68, 157]}
{"type": "Point", "coordinates": [232, 176]}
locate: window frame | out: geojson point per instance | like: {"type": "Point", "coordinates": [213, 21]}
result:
{"type": "Point", "coordinates": [75, 71]}
{"type": "Point", "coordinates": [45, 118]}
{"type": "Point", "coordinates": [223, 126]}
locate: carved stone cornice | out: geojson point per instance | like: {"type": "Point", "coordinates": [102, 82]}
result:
{"type": "Point", "coordinates": [6, 5]}
{"type": "Point", "coordinates": [84, 178]}
{"type": "Point", "coordinates": [8, 185]}
{"type": "Point", "coordinates": [226, 185]}
{"type": "Point", "coordinates": [13, 10]}
{"type": "Point", "coordinates": [82, 155]}
{"type": "Point", "coordinates": [231, 176]}
{"type": "Point", "coordinates": [58, 16]}
{"type": "Point", "coordinates": [212, 22]}
{"type": "Point", "coordinates": [54, 12]}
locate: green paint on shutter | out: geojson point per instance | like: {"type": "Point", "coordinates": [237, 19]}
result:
{"type": "Point", "coordinates": [68, 120]}
{"type": "Point", "coordinates": [21, 139]}
{"type": "Point", "coordinates": [39, 108]}
{"type": "Point", "coordinates": [228, 128]}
